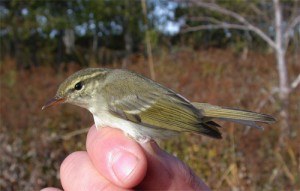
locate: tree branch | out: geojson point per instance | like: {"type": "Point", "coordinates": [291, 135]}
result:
{"type": "Point", "coordinates": [289, 29]}
{"type": "Point", "coordinates": [269, 97]}
{"type": "Point", "coordinates": [215, 26]}
{"type": "Point", "coordinates": [295, 83]}
{"type": "Point", "coordinates": [295, 21]}
{"type": "Point", "coordinates": [74, 133]}
{"type": "Point", "coordinates": [238, 17]}
{"type": "Point", "coordinates": [205, 19]}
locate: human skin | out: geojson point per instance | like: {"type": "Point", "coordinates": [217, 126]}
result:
{"type": "Point", "coordinates": [114, 161]}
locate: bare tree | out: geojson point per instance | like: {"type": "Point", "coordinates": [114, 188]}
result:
{"type": "Point", "coordinates": [283, 32]}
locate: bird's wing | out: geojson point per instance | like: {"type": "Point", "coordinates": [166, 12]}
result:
{"type": "Point", "coordinates": [165, 109]}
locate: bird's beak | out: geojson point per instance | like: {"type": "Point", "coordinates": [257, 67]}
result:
{"type": "Point", "coordinates": [54, 101]}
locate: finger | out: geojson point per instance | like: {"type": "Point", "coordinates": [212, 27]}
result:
{"type": "Point", "coordinates": [117, 157]}
{"type": "Point", "coordinates": [166, 172]}
{"type": "Point", "coordinates": [78, 173]}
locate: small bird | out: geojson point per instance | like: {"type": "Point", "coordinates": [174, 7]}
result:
{"type": "Point", "coordinates": [142, 108]}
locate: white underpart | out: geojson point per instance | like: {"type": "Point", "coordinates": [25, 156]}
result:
{"type": "Point", "coordinates": [140, 133]}
{"type": "Point", "coordinates": [106, 119]}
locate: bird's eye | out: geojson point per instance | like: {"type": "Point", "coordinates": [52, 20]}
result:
{"type": "Point", "coordinates": [78, 86]}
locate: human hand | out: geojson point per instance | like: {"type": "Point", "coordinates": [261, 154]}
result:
{"type": "Point", "coordinates": [114, 161]}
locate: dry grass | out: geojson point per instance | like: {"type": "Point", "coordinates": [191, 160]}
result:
{"type": "Point", "coordinates": [33, 142]}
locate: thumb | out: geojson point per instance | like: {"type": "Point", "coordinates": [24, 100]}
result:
{"type": "Point", "coordinates": [166, 172]}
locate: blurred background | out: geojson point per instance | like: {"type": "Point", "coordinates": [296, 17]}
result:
{"type": "Point", "coordinates": [240, 54]}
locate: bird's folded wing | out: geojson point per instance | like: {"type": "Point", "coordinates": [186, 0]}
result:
{"type": "Point", "coordinates": [157, 107]}
{"type": "Point", "coordinates": [147, 107]}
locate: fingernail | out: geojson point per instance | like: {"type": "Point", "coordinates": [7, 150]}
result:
{"type": "Point", "coordinates": [123, 164]}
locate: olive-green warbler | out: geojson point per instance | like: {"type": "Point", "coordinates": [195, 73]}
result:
{"type": "Point", "coordinates": [142, 108]}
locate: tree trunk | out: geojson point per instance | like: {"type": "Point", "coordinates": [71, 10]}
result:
{"type": "Point", "coordinates": [283, 73]}
{"type": "Point", "coordinates": [148, 42]}
{"type": "Point", "coordinates": [94, 57]}
{"type": "Point", "coordinates": [283, 95]}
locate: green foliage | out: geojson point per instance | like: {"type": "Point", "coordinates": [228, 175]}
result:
{"type": "Point", "coordinates": [40, 24]}
{"type": "Point", "coordinates": [33, 31]}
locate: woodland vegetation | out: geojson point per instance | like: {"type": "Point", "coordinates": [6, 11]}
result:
{"type": "Point", "coordinates": [242, 54]}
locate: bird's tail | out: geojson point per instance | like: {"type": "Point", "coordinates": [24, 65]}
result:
{"type": "Point", "coordinates": [234, 115]}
